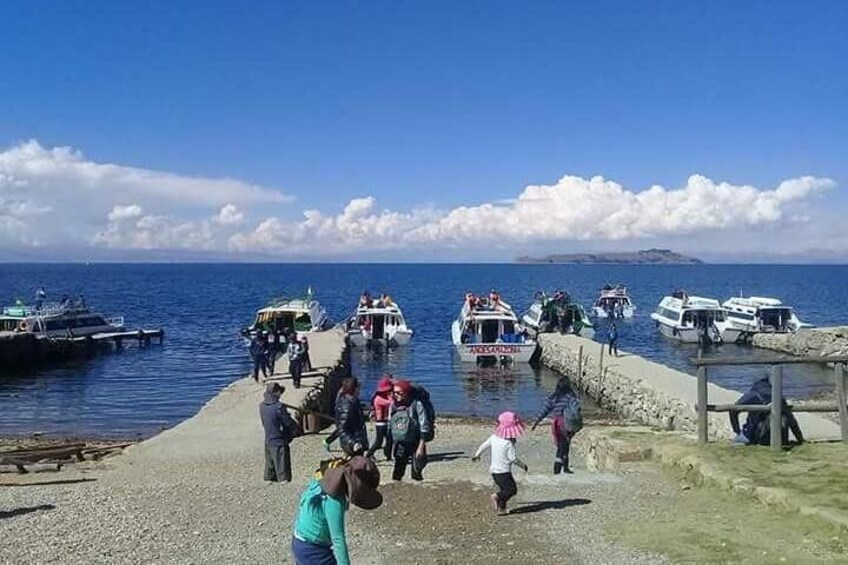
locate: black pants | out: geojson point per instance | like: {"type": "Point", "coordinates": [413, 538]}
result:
{"type": "Point", "coordinates": [259, 363]}
{"type": "Point", "coordinates": [613, 347]}
{"type": "Point", "coordinates": [506, 488]}
{"type": "Point", "coordinates": [405, 454]}
{"type": "Point", "coordinates": [383, 433]}
{"type": "Point", "coordinates": [561, 457]}
{"type": "Point", "coordinates": [278, 462]}
{"type": "Point", "coordinates": [295, 368]}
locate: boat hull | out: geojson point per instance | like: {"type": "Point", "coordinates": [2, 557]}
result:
{"type": "Point", "coordinates": [360, 339]}
{"type": "Point", "coordinates": [515, 352]}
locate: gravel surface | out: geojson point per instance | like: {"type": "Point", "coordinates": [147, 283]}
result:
{"type": "Point", "coordinates": [195, 494]}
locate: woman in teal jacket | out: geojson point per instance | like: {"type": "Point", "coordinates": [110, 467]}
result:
{"type": "Point", "coordinates": [319, 530]}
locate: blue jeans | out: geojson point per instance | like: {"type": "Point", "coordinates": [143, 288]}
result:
{"type": "Point", "coordinates": [311, 554]}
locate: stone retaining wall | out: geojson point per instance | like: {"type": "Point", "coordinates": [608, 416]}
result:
{"type": "Point", "coordinates": [807, 342]}
{"type": "Point", "coordinates": [628, 395]}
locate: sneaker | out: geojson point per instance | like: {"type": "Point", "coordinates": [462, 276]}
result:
{"type": "Point", "coordinates": [502, 511]}
{"type": "Point", "coordinates": [495, 508]}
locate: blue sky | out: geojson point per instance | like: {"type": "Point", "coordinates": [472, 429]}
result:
{"type": "Point", "coordinates": [427, 106]}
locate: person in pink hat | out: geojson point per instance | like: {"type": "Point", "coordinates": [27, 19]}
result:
{"type": "Point", "coordinates": [502, 446]}
{"type": "Point", "coordinates": [381, 404]}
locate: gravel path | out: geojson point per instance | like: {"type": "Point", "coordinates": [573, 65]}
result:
{"type": "Point", "coordinates": [194, 494]}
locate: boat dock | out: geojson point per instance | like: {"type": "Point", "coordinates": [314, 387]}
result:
{"type": "Point", "coordinates": [29, 349]}
{"type": "Point", "coordinates": [650, 393]}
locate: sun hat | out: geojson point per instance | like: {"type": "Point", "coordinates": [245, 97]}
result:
{"type": "Point", "coordinates": [384, 384]}
{"type": "Point", "coordinates": [358, 479]}
{"type": "Point", "coordinates": [509, 426]}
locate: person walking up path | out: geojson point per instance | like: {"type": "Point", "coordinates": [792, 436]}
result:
{"type": "Point", "coordinates": [409, 426]}
{"type": "Point", "coordinates": [280, 429]}
{"type": "Point", "coordinates": [612, 339]}
{"type": "Point", "coordinates": [353, 435]}
{"type": "Point", "coordinates": [503, 457]}
{"type": "Point", "coordinates": [295, 353]}
{"type": "Point", "coordinates": [565, 406]}
{"type": "Point", "coordinates": [381, 404]}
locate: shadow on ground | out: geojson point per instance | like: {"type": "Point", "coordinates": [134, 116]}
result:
{"type": "Point", "coordinates": [528, 507]}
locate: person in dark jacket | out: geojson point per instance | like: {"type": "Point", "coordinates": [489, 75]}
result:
{"type": "Point", "coordinates": [410, 445]}
{"type": "Point", "coordinates": [295, 353]}
{"type": "Point", "coordinates": [259, 354]}
{"type": "Point", "coordinates": [280, 429]}
{"type": "Point", "coordinates": [353, 436]}
{"type": "Point", "coordinates": [556, 404]}
{"type": "Point", "coordinates": [612, 338]}
{"type": "Point", "coordinates": [757, 428]}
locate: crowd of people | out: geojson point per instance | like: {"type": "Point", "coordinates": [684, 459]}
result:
{"type": "Point", "coordinates": [404, 425]}
{"type": "Point", "coordinates": [266, 347]}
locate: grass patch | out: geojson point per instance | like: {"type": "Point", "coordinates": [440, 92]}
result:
{"type": "Point", "coordinates": [707, 525]}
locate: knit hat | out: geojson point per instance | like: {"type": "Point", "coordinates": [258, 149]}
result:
{"type": "Point", "coordinates": [509, 426]}
{"type": "Point", "coordinates": [384, 385]}
{"type": "Point", "coordinates": [358, 479]}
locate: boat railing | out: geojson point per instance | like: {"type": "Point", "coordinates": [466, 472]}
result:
{"type": "Point", "coordinates": [117, 321]}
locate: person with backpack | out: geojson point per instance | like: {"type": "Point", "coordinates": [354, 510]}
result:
{"type": "Point", "coordinates": [295, 353]}
{"type": "Point", "coordinates": [350, 422]}
{"type": "Point", "coordinates": [411, 426]}
{"type": "Point", "coordinates": [381, 404]}
{"type": "Point", "coordinates": [565, 406]}
{"type": "Point", "coordinates": [280, 430]}
{"type": "Point", "coordinates": [757, 428]}
{"type": "Point", "coordinates": [503, 457]}
{"type": "Point", "coordinates": [319, 530]}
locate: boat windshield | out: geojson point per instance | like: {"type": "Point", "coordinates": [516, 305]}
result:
{"type": "Point", "coordinates": [777, 318]}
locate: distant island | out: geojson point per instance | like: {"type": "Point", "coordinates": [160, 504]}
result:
{"type": "Point", "coordinates": [644, 257]}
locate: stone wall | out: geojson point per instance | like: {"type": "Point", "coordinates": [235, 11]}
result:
{"type": "Point", "coordinates": [807, 342]}
{"type": "Point", "coordinates": [627, 394]}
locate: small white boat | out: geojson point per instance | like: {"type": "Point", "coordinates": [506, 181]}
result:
{"type": "Point", "coordinates": [378, 321]}
{"type": "Point", "coordinates": [694, 319]}
{"type": "Point", "coordinates": [557, 313]}
{"type": "Point", "coordinates": [756, 314]}
{"type": "Point", "coordinates": [299, 315]}
{"type": "Point", "coordinates": [614, 302]}
{"type": "Point", "coordinates": [489, 330]}
{"type": "Point", "coordinates": [69, 318]}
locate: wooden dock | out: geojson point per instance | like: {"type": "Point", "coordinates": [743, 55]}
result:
{"type": "Point", "coordinates": [27, 349]}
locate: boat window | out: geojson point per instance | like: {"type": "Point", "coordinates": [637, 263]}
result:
{"type": "Point", "coordinates": [741, 315]}
{"type": "Point", "coordinates": [302, 323]}
{"type": "Point", "coordinates": [489, 330]}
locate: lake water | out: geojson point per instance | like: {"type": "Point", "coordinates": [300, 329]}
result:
{"type": "Point", "coordinates": [138, 392]}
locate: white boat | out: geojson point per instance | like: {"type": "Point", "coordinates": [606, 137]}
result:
{"type": "Point", "coordinates": [756, 314]}
{"type": "Point", "coordinates": [614, 301]}
{"type": "Point", "coordinates": [694, 319]}
{"type": "Point", "coordinates": [299, 315]}
{"type": "Point", "coordinates": [378, 321]}
{"type": "Point", "coordinates": [557, 313]}
{"type": "Point", "coordinates": [489, 330]}
{"type": "Point", "coordinates": [69, 318]}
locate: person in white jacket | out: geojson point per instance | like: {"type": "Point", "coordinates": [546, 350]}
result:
{"type": "Point", "coordinates": [502, 446]}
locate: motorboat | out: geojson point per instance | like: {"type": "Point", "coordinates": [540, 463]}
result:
{"type": "Point", "coordinates": [557, 313]}
{"type": "Point", "coordinates": [614, 302]}
{"type": "Point", "coordinates": [68, 318]}
{"type": "Point", "coordinates": [487, 329]}
{"type": "Point", "coordinates": [757, 314]}
{"type": "Point", "coordinates": [297, 315]}
{"type": "Point", "coordinates": [378, 321]}
{"type": "Point", "coordinates": [694, 319]}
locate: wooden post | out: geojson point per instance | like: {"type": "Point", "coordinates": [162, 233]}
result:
{"type": "Point", "coordinates": [776, 407]}
{"type": "Point", "coordinates": [702, 405]}
{"type": "Point", "coordinates": [842, 398]}
{"type": "Point", "coordinates": [580, 365]}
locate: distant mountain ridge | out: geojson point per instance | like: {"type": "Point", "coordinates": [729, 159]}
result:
{"type": "Point", "coordinates": [644, 257]}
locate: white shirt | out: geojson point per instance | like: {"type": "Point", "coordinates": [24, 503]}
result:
{"type": "Point", "coordinates": [503, 454]}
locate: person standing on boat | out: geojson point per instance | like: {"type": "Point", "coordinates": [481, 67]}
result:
{"type": "Point", "coordinates": [280, 429]}
{"type": "Point", "coordinates": [612, 339]}
{"type": "Point", "coordinates": [40, 295]}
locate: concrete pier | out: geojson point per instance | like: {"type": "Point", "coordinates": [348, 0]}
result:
{"type": "Point", "coordinates": [812, 342]}
{"type": "Point", "coordinates": [650, 393]}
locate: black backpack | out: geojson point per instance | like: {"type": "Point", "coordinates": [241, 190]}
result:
{"type": "Point", "coordinates": [421, 394]}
